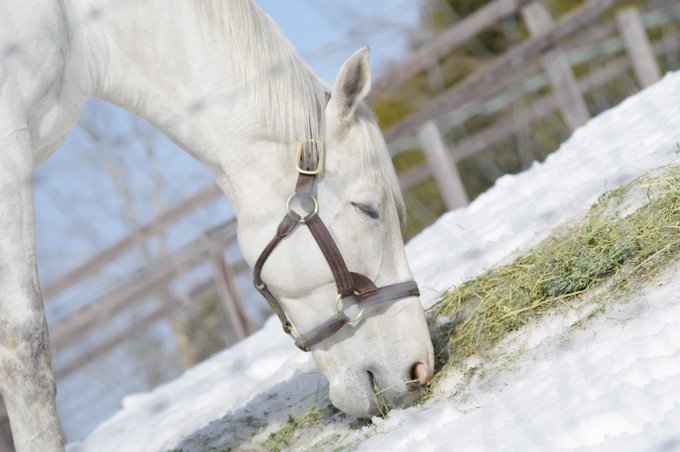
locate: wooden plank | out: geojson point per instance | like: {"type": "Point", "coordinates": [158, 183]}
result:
{"type": "Point", "coordinates": [130, 331]}
{"type": "Point", "coordinates": [445, 44]}
{"type": "Point", "coordinates": [595, 33]}
{"type": "Point", "coordinates": [477, 85]}
{"type": "Point", "coordinates": [6, 442]}
{"type": "Point", "coordinates": [537, 110]}
{"type": "Point", "coordinates": [506, 127]}
{"type": "Point", "coordinates": [443, 169]}
{"type": "Point", "coordinates": [160, 271]}
{"type": "Point", "coordinates": [133, 329]}
{"type": "Point", "coordinates": [228, 294]}
{"type": "Point", "coordinates": [136, 238]}
{"type": "Point", "coordinates": [414, 175]}
{"type": "Point", "coordinates": [669, 40]}
{"type": "Point", "coordinates": [572, 105]}
{"type": "Point", "coordinates": [638, 47]}
{"type": "Point", "coordinates": [207, 287]}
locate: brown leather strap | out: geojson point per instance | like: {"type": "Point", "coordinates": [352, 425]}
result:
{"type": "Point", "coordinates": [362, 283]}
{"type": "Point", "coordinates": [343, 279]}
{"type": "Point", "coordinates": [322, 332]}
{"type": "Point", "coordinates": [310, 160]}
{"type": "Point", "coordinates": [286, 226]}
{"type": "Point", "coordinates": [348, 284]}
{"type": "Point", "coordinates": [388, 293]}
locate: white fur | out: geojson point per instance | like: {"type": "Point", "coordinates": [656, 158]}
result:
{"type": "Point", "coordinates": [218, 78]}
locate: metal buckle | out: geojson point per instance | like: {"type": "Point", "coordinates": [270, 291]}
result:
{"type": "Point", "coordinates": [319, 161]}
{"type": "Point", "coordinates": [358, 316]}
{"type": "Point", "coordinates": [289, 328]}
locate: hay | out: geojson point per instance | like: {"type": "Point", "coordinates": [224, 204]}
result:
{"type": "Point", "coordinates": [282, 438]}
{"type": "Point", "coordinates": [475, 316]}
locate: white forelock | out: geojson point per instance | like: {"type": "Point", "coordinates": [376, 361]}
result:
{"type": "Point", "coordinates": [292, 95]}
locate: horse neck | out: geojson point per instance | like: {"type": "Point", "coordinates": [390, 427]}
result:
{"type": "Point", "coordinates": [160, 60]}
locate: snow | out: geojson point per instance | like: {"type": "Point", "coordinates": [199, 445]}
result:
{"type": "Point", "coordinates": [614, 384]}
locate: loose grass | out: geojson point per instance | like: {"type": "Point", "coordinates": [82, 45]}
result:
{"type": "Point", "coordinates": [475, 316]}
{"type": "Point", "coordinates": [285, 435]}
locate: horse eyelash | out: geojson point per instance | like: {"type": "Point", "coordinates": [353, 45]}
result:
{"type": "Point", "coordinates": [367, 210]}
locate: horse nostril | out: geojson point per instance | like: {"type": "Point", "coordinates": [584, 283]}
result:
{"type": "Point", "coordinates": [421, 373]}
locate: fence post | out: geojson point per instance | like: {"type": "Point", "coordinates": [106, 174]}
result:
{"type": "Point", "coordinates": [637, 46]}
{"type": "Point", "coordinates": [226, 290]}
{"type": "Point", "coordinates": [670, 49]}
{"type": "Point", "coordinates": [5, 440]}
{"type": "Point", "coordinates": [572, 105]}
{"type": "Point", "coordinates": [442, 166]}
{"type": "Point", "coordinates": [4, 443]}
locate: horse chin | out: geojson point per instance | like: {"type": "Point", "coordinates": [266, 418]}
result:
{"type": "Point", "coordinates": [363, 400]}
{"type": "Point", "coordinates": [355, 398]}
{"type": "Point", "coordinates": [363, 395]}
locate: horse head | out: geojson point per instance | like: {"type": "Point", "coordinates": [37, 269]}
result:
{"type": "Point", "coordinates": [345, 291]}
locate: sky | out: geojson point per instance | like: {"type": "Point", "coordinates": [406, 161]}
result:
{"type": "Point", "coordinates": [325, 32]}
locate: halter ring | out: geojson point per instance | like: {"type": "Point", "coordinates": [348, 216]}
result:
{"type": "Point", "coordinates": [311, 196]}
{"type": "Point", "coordinates": [337, 310]}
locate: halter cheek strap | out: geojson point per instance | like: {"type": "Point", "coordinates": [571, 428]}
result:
{"type": "Point", "coordinates": [350, 286]}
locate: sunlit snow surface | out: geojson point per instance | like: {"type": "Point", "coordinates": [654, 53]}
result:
{"type": "Point", "coordinates": [614, 385]}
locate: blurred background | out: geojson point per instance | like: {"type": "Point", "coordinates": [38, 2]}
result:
{"type": "Point", "coordinates": [141, 274]}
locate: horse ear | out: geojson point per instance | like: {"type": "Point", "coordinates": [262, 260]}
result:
{"type": "Point", "coordinates": [352, 85]}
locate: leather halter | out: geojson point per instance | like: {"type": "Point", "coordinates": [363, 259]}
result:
{"type": "Point", "coordinates": [351, 286]}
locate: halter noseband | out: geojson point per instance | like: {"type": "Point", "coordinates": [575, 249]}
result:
{"type": "Point", "coordinates": [351, 286]}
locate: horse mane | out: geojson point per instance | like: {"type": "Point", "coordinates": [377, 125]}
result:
{"type": "Point", "coordinates": [277, 77]}
{"type": "Point", "coordinates": [273, 73]}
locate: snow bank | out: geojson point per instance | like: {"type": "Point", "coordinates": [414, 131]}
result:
{"type": "Point", "coordinates": [616, 385]}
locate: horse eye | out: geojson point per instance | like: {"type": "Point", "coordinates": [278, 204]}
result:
{"type": "Point", "coordinates": [367, 210]}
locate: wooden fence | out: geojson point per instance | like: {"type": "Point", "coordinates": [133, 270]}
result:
{"type": "Point", "coordinates": [542, 52]}
{"type": "Point", "coordinates": [547, 53]}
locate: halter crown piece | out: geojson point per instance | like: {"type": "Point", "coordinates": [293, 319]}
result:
{"type": "Point", "coordinates": [352, 287]}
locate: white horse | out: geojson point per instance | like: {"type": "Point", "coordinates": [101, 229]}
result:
{"type": "Point", "coordinates": [220, 80]}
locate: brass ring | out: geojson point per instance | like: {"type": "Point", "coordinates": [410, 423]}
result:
{"type": "Point", "coordinates": [312, 197]}
{"type": "Point", "coordinates": [337, 310]}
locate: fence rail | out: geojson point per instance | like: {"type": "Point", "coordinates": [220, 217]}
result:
{"type": "Point", "coordinates": [445, 43]}
{"type": "Point", "coordinates": [155, 276]}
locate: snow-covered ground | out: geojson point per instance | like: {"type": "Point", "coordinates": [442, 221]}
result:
{"type": "Point", "coordinates": [614, 385]}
